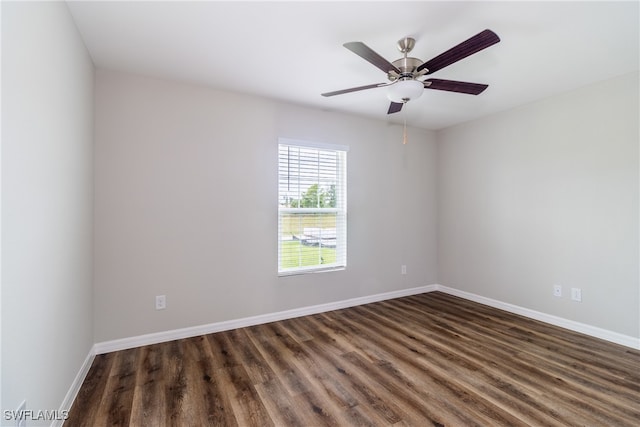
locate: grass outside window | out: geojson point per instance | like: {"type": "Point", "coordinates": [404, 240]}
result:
{"type": "Point", "coordinates": [295, 254]}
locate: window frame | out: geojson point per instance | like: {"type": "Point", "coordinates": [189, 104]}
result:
{"type": "Point", "coordinates": [340, 210]}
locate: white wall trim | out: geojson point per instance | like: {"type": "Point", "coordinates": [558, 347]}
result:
{"type": "Point", "coordinates": [76, 384]}
{"type": "Point", "coordinates": [583, 328]}
{"type": "Point", "coordinates": [158, 337]}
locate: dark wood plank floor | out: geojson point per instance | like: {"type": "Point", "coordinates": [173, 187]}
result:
{"type": "Point", "coordinates": [430, 359]}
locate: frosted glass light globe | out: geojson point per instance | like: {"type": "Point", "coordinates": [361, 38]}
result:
{"type": "Point", "coordinates": [405, 90]}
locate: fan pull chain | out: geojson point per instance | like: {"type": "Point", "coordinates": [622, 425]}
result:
{"type": "Point", "coordinates": [404, 130]}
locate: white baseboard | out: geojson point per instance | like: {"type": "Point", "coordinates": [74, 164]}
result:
{"type": "Point", "coordinates": [75, 385]}
{"type": "Point", "coordinates": [158, 337]}
{"type": "Point", "coordinates": [583, 328]}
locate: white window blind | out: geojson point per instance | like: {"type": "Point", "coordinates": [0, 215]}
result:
{"type": "Point", "coordinates": [312, 207]}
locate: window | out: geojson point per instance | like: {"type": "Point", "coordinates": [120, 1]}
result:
{"type": "Point", "coordinates": [312, 207]}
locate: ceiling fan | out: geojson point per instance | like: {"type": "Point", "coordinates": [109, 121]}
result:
{"type": "Point", "coordinates": [406, 75]}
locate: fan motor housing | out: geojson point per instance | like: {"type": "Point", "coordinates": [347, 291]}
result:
{"type": "Point", "coordinates": [407, 67]}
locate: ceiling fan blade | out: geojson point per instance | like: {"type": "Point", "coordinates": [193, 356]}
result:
{"type": "Point", "coordinates": [365, 52]}
{"type": "Point", "coordinates": [394, 107]}
{"type": "Point", "coordinates": [454, 86]}
{"type": "Point", "coordinates": [468, 47]}
{"type": "Point", "coordinates": [355, 89]}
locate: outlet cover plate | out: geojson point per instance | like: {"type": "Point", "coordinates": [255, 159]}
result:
{"type": "Point", "coordinates": [161, 302]}
{"type": "Point", "coordinates": [576, 294]}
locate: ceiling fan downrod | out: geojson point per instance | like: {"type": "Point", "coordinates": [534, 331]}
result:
{"type": "Point", "coordinates": [406, 65]}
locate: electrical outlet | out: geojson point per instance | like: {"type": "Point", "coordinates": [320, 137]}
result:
{"type": "Point", "coordinates": [403, 269]}
{"type": "Point", "coordinates": [161, 302]}
{"type": "Point", "coordinates": [557, 290]}
{"type": "Point", "coordinates": [576, 294]}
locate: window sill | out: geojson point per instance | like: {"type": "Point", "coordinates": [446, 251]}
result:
{"type": "Point", "coordinates": [314, 271]}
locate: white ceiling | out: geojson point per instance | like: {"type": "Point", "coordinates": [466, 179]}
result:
{"type": "Point", "coordinates": [292, 51]}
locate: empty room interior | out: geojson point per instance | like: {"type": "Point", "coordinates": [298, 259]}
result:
{"type": "Point", "coordinates": [320, 213]}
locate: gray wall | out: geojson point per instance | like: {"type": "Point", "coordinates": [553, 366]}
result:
{"type": "Point", "coordinates": [186, 206]}
{"type": "Point", "coordinates": [547, 194]}
{"type": "Point", "coordinates": [504, 207]}
{"type": "Point", "coordinates": [47, 103]}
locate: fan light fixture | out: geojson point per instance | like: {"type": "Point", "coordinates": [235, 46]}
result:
{"type": "Point", "coordinates": [405, 90]}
